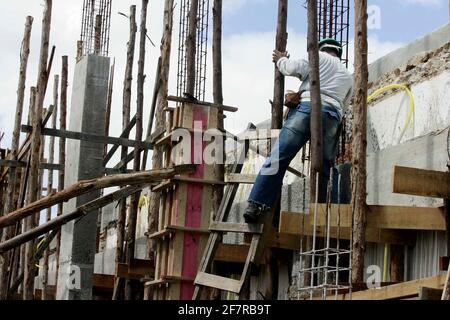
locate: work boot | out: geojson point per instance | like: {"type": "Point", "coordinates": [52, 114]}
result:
{"type": "Point", "coordinates": [252, 213]}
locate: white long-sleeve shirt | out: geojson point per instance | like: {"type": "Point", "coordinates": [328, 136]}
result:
{"type": "Point", "coordinates": [336, 82]}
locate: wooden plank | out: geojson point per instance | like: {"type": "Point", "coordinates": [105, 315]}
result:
{"type": "Point", "coordinates": [201, 103]}
{"type": "Point", "coordinates": [91, 137]}
{"type": "Point", "coordinates": [397, 291]}
{"type": "Point", "coordinates": [122, 271]}
{"type": "Point", "coordinates": [137, 270]}
{"type": "Point", "coordinates": [168, 279]}
{"type": "Point", "coordinates": [222, 283]}
{"type": "Point", "coordinates": [163, 186]}
{"type": "Point", "coordinates": [173, 229]}
{"type": "Point", "coordinates": [198, 181]}
{"type": "Point", "coordinates": [240, 178]}
{"type": "Point", "coordinates": [418, 182]}
{"type": "Point", "coordinates": [430, 293]}
{"type": "Point", "coordinates": [291, 224]}
{"type": "Point", "coordinates": [125, 134]}
{"type": "Point", "coordinates": [386, 217]}
{"type": "Point", "coordinates": [102, 281]}
{"type": "Point", "coordinates": [236, 253]}
{"type": "Point", "coordinates": [23, 164]}
{"type": "Point", "coordinates": [236, 227]}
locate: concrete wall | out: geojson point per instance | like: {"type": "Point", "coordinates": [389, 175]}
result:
{"type": "Point", "coordinates": [396, 58]}
{"type": "Point", "coordinates": [83, 161]}
{"type": "Point", "coordinates": [424, 144]}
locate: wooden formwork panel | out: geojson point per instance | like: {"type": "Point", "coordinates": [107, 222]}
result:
{"type": "Point", "coordinates": [185, 204]}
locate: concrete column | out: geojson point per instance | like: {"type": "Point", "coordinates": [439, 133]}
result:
{"type": "Point", "coordinates": [83, 161]}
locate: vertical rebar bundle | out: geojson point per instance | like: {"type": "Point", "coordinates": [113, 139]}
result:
{"type": "Point", "coordinates": [324, 263]}
{"type": "Point", "coordinates": [96, 13]}
{"type": "Point", "coordinates": [334, 21]}
{"type": "Point", "coordinates": [201, 48]}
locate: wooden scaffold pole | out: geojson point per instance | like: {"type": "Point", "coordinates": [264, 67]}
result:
{"type": "Point", "coordinates": [191, 49]}
{"type": "Point", "coordinates": [51, 157]}
{"type": "Point", "coordinates": [157, 157]}
{"type": "Point", "coordinates": [218, 94]}
{"type": "Point", "coordinates": [126, 105]}
{"type": "Point", "coordinates": [359, 141]}
{"type": "Point", "coordinates": [10, 205]}
{"type": "Point", "coordinates": [132, 218]}
{"type": "Point", "coordinates": [30, 266]}
{"type": "Point", "coordinates": [62, 150]}
{"type": "Point", "coordinates": [316, 105]}
{"type": "Point", "coordinates": [280, 45]}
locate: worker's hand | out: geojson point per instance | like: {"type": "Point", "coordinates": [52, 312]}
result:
{"type": "Point", "coordinates": [277, 55]}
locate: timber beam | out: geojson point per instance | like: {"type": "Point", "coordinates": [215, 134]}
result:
{"type": "Point", "coordinates": [381, 217]}
{"type": "Point", "coordinates": [91, 137]}
{"type": "Point", "coordinates": [397, 291]}
{"type": "Point", "coordinates": [424, 183]}
{"type": "Point", "coordinates": [291, 224]}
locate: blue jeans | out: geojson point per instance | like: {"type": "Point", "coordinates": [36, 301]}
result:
{"type": "Point", "coordinates": [293, 137]}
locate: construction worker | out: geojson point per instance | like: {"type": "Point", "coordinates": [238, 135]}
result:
{"type": "Point", "coordinates": [336, 87]}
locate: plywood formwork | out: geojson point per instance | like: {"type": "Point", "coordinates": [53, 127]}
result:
{"type": "Point", "coordinates": [186, 204]}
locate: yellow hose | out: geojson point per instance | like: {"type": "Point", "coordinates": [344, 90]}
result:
{"type": "Point", "coordinates": [385, 262]}
{"type": "Point", "coordinates": [412, 106]}
{"type": "Point", "coordinates": [37, 248]}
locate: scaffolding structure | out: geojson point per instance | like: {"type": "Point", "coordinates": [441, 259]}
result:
{"type": "Point", "coordinates": [203, 17]}
{"type": "Point", "coordinates": [96, 27]}
{"type": "Point", "coordinates": [334, 22]}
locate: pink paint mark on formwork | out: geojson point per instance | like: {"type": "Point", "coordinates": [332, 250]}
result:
{"type": "Point", "coordinates": [193, 213]}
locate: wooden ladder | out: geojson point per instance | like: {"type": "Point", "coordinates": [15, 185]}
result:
{"type": "Point", "coordinates": [218, 227]}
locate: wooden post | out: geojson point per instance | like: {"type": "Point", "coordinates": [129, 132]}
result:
{"type": "Point", "coordinates": [126, 105]}
{"type": "Point", "coordinates": [397, 266]}
{"type": "Point", "coordinates": [191, 49]}
{"type": "Point", "coordinates": [11, 188]}
{"type": "Point", "coordinates": [109, 104]}
{"type": "Point", "coordinates": [359, 141]}
{"type": "Point", "coordinates": [219, 168]}
{"type": "Point", "coordinates": [62, 150]}
{"type": "Point", "coordinates": [30, 266]}
{"type": "Point", "coordinates": [277, 123]}
{"type": "Point", "coordinates": [33, 183]}
{"type": "Point", "coordinates": [446, 291]}
{"type": "Point", "coordinates": [316, 105]}
{"type": "Point", "coordinates": [157, 157]}
{"type": "Point", "coordinates": [281, 43]}
{"type": "Point", "coordinates": [132, 219]}
{"type": "Point", "coordinates": [51, 158]}
{"type": "Point", "coordinates": [218, 95]}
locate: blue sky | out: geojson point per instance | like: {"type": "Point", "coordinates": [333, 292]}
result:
{"type": "Point", "coordinates": [402, 20]}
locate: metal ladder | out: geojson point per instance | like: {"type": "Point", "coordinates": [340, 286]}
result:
{"type": "Point", "coordinates": [259, 232]}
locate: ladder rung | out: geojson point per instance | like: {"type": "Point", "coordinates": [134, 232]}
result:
{"type": "Point", "coordinates": [233, 178]}
{"type": "Point", "coordinates": [236, 227]}
{"type": "Point", "coordinates": [222, 283]}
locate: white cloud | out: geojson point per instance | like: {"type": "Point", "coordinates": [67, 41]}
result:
{"type": "Point", "coordinates": [423, 2]}
{"type": "Point", "coordinates": [231, 6]}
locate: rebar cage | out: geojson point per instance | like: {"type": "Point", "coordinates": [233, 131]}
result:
{"type": "Point", "coordinates": [96, 27]}
{"type": "Point", "coordinates": [333, 22]}
{"type": "Point", "coordinates": [203, 16]}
